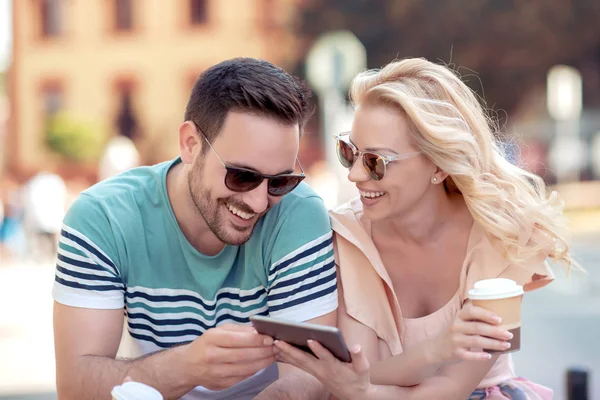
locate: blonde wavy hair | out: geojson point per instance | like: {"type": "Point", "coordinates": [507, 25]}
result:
{"type": "Point", "coordinates": [522, 219]}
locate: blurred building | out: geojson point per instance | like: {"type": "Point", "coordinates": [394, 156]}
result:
{"type": "Point", "coordinates": [126, 66]}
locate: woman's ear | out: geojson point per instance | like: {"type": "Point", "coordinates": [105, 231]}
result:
{"type": "Point", "coordinates": [439, 176]}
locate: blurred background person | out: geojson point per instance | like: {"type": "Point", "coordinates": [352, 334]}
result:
{"type": "Point", "coordinates": [119, 156]}
{"type": "Point", "coordinates": [44, 205]}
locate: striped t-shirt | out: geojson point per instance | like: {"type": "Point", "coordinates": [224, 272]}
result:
{"type": "Point", "coordinates": [121, 246]}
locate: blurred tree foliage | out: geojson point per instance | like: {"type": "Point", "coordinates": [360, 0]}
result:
{"type": "Point", "coordinates": [74, 139]}
{"type": "Point", "coordinates": [509, 44]}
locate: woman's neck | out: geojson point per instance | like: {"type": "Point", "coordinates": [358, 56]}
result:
{"type": "Point", "coordinates": [424, 223]}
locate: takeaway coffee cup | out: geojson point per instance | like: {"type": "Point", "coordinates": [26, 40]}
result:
{"type": "Point", "coordinates": [135, 391]}
{"type": "Point", "coordinates": [502, 297]}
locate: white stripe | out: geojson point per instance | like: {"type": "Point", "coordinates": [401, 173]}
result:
{"type": "Point", "coordinates": [184, 292]}
{"type": "Point", "coordinates": [95, 259]}
{"type": "Point", "coordinates": [303, 293]}
{"type": "Point", "coordinates": [180, 316]}
{"type": "Point", "coordinates": [74, 256]}
{"type": "Point", "coordinates": [75, 268]}
{"type": "Point", "coordinates": [187, 303]}
{"type": "Point", "coordinates": [312, 309]}
{"type": "Point", "coordinates": [87, 240]}
{"type": "Point", "coordinates": [296, 286]}
{"type": "Point", "coordinates": [85, 298]}
{"type": "Point", "coordinates": [81, 281]}
{"type": "Point", "coordinates": [301, 249]}
{"type": "Point", "coordinates": [310, 257]}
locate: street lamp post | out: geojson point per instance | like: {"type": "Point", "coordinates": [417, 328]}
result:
{"type": "Point", "coordinates": [333, 61]}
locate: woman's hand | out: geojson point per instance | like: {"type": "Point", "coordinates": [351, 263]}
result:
{"type": "Point", "coordinates": [473, 329]}
{"type": "Point", "coordinates": [345, 381]}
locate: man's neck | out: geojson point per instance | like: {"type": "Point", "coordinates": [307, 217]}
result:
{"type": "Point", "coordinates": [191, 223]}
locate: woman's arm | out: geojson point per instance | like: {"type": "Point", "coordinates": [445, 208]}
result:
{"type": "Point", "coordinates": [473, 329]}
{"type": "Point", "coordinates": [350, 381]}
{"type": "Point", "coordinates": [405, 369]}
{"type": "Point", "coordinates": [452, 382]}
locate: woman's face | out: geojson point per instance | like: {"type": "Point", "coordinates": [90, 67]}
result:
{"type": "Point", "coordinates": [385, 131]}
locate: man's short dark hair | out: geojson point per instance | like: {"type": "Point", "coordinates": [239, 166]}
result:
{"type": "Point", "coordinates": [250, 86]}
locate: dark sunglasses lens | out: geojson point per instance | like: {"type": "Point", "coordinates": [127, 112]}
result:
{"type": "Point", "coordinates": [281, 185]}
{"type": "Point", "coordinates": [375, 165]}
{"type": "Point", "coordinates": [240, 180]}
{"type": "Point", "coordinates": [345, 153]}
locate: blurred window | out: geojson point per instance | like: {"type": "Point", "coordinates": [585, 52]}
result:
{"type": "Point", "coordinates": [51, 17]}
{"type": "Point", "coordinates": [126, 121]}
{"type": "Point", "coordinates": [198, 14]}
{"type": "Point", "coordinates": [123, 15]}
{"type": "Point", "coordinates": [52, 98]}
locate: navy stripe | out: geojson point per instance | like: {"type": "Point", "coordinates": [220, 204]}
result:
{"type": "Point", "coordinates": [181, 332]}
{"type": "Point", "coordinates": [83, 264]}
{"type": "Point", "coordinates": [305, 253]}
{"type": "Point", "coordinates": [181, 321]}
{"type": "Point", "coordinates": [304, 299]}
{"type": "Point", "coordinates": [156, 342]}
{"type": "Point", "coordinates": [99, 288]}
{"type": "Point", "coordinates": [306, 286]}
{"type": "Point", "coordinates": [88, 276]}
{"type": "Point", "coordinates": [89, 248]}
{"type": "Point", "coordinates": [299, 279]}
{"type": "Point", "coordinates": [184, 297]}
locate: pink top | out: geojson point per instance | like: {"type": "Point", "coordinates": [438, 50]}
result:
{"type": "Point", "coordinates": [370, 299]}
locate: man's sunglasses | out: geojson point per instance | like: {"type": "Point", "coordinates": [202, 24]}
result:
{"type": "Point", "coordinates": [375, 164]}
{"type": "Point", "coordinates": [244, 180]}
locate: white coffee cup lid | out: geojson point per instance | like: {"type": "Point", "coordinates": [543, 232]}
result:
{"type": "Point", "coordinates": [135, 391]}
{"type": "Point", "coordinates": [493, 289]}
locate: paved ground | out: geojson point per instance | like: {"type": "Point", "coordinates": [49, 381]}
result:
{"type": "Point", "coordinates": [561, 329]}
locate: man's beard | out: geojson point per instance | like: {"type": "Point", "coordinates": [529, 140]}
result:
{"type": "Point", "coordinates": [210, 210]}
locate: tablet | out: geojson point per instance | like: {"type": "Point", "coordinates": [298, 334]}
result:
{"type": "Point", "coordinates": [298, 333]}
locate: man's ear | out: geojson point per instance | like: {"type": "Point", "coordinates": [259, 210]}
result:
{"type": "Point", "coordinates": [189, 142]}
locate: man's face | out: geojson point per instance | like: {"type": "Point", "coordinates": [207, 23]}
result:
{"type": "Point", "coordinates": [248, 141]}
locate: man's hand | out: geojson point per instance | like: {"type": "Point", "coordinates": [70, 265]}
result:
{"type": "Point", "coordinates": [228, 354]}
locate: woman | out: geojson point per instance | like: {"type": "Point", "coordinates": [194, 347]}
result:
{"type": "Point", "coordinates": [440, 208]}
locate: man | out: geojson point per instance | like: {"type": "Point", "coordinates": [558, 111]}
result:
{"type": "Point", "coordinates": [193, 247]}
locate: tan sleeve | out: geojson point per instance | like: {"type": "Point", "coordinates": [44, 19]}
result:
{"type": "Point", "coordinates": [485, 263]}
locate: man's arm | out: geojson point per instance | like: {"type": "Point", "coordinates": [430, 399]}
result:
{"type": "Point", "coordinates": [293, 383]}
{"type": "Point", "coordinates": [86, 343]}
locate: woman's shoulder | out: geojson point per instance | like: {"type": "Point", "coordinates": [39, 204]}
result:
{"type": "Point", "coordinates": [484, 260]}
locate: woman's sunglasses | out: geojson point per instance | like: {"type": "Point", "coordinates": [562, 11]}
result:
{"type": "Point", "coordinates": [244, 180]}
{"type": "Point", "coordinates": [375, 164]}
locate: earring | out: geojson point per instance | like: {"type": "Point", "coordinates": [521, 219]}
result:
{"type": "Point", "coordinates": [434, 179]}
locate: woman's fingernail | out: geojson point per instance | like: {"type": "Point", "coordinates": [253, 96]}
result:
{"type": "Point", "coordinates": [506, 345]}
{"type": "Point", "coordinates": [498, 319]}
{"type": "Point", "coordinates": [310, 341]}
{"type": "Point", "coordinates": [488, 356]}
{"type": "Point", "coordinates": [509, 335]}
{"type": "Point", "coordinates": [355, 349]}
